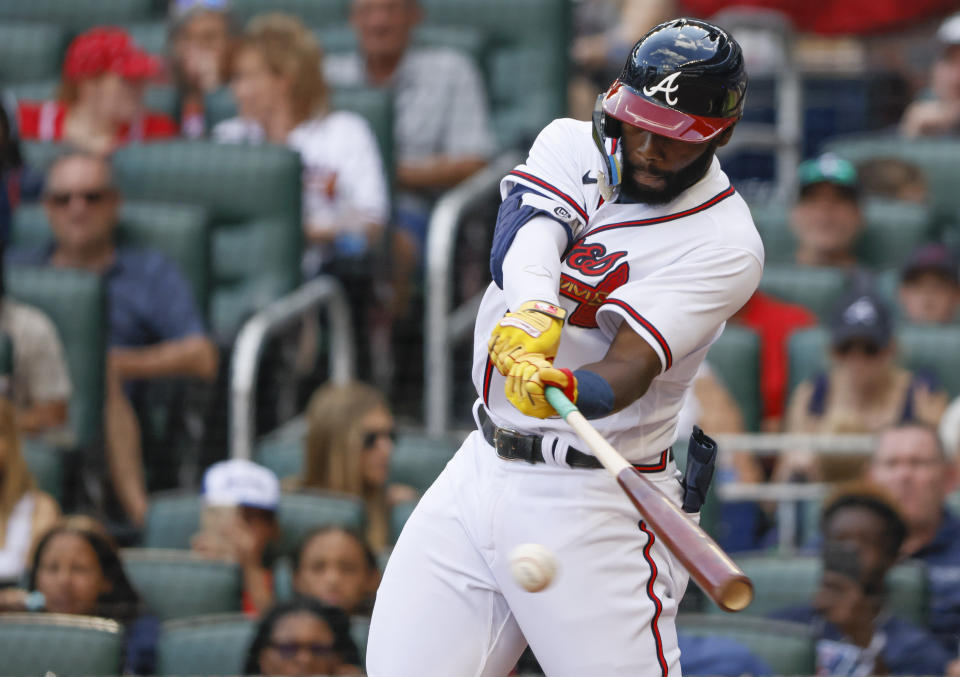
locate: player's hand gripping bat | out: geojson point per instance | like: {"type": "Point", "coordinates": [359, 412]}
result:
{"type": "Point", "coordinates": [711, 568]}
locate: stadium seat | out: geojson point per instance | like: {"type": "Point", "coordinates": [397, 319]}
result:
{"type": "Point", "coordinates": [930, 349]}
{"type": "Point", "coordinates": [75, 301]}
{"type": "Point", "coordinates": [283, 455]}
{"type": "Point", "coordinates": [360, 631]}
{"type": "Point", "coordinates": [174, 517]}
{"type": "Point", "coordinates": [735, 357]}
{"type": "Point", "coordinates": [177, 584]}
{"type": "Point", "coordinates": [178, 231]}
{"type": "Point", "coordinates": [314, 13]}
{"type": "Point", "coordinates": [206, 645]}
{"type": "Point", "coordinates": [399, 515]}
{"type": "Point", "coordinates": [151, 36]}
{"type": "Point", "coordinates": [253, 197]}
{"type": "Point", "coordinates": [418, 459]}
{"type": "Point", "coordinates": [909, 595]}
{"type": "Point", "coordinates": [788, 648]}
{"type": "Point", "coordinates": [30, 51]}
{"type": "Point", "coordinates": [283, 579]}
{"type": "Point", "coordinates": [77, 15]}
{"type": "Point", "coordinates": [6, 361]}
{"type": "Point", "coordinates": [40, 154]}
{"type": "Point", "coordinates": [45, 465]}
{"type": "Point", "coordinates": [814, 288]}
{"type": "Point", "coordinates": [38, 644]}
{"type": "Point", "coordinates": [779, 244]}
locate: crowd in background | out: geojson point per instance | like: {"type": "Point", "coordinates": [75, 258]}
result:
{"type": "Point", "coordinates": [365, 216]}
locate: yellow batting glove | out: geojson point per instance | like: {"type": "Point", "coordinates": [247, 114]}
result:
{"type": "Point", "coordinates": [523, 387]}
{"type": "Point", "coordinates": [533, 328]}
{"type": "Point", "coordinates": [551, 376]}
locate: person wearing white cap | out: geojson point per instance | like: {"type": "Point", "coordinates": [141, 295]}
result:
{"type": "Point", "coordinates": [239, 522]}
{"type": "Point", "coordinates": [937, 112]}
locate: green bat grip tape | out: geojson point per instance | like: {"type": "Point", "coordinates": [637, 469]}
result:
{"type": "Point", "coordinates": [559, 401]}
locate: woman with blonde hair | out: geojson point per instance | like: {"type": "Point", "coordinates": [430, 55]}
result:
{"type": "Point", "coordinates": [349, 442]}
{"type": "Point", "coordinates": [26, 513]}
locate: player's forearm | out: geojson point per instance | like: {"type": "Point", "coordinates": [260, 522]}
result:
{"type": "Point", "coordinates": [531, 268]}
{"type": "Point", "coordinates": [192, 356]}
{"type": "Point", "coordinates": [629, 367]}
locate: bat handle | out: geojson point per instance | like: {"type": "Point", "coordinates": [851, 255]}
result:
{"type": "Point", "coordinates": [559, 401]}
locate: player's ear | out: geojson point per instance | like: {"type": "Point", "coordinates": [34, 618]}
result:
{"type": "Point", "coordinates": [724, 138]}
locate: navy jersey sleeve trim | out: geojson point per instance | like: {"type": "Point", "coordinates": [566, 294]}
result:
{"type": "Point", "coordinates": [510, 218]}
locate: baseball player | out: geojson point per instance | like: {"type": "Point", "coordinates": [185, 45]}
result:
{"type": "Point", "coordinates": [620, 250]}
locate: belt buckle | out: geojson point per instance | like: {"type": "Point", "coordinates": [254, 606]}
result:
{"type": "Point", "coordinates": [520, 447]}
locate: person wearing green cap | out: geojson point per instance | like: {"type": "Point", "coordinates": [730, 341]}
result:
{"type": "Point", "coordinates": [826, 218]}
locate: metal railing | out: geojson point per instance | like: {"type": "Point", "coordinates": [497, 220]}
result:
{"type": "Point", "coordinates": [322, 292]}
{"type": "Point", "coordinates": [443, 324]}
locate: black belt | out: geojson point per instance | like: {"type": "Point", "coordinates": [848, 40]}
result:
{"type": "Point", "coordinates": [515, 446]}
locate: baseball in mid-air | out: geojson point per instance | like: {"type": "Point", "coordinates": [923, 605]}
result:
{"type": "Point", "coordinates": [533, 566]}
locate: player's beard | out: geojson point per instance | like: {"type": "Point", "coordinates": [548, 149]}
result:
{"type": "Point", "coordinates": [675, 182]}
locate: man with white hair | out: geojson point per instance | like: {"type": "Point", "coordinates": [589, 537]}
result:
{"type": "Point", "coordinates": [937, 111]}
{"type": "Point", "coordinates": [910, 463]}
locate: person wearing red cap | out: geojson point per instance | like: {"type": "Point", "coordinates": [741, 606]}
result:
{"type": "Point", "coordinates": [100, 103]}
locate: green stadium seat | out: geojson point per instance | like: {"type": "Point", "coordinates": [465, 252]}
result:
{"type": "Point", "coordinates": [38, 644]}
{"type": "Point", "coordinates": [253, 197]}
{"type": "Point", "coordinates": [283, 579]}
{"type": "Point", "coordinates": [909, 595]}
{"type": "Point", "coordinates": [75, 301]}
{"type": "Point", "coordinates": [151, 36]}
{"type": "Point", "coordinates": [779, 244]}
{"type": "Point", "coordinates": [180, 232]}
{"type": "Point", "coordinates": [177, 584]}
{"type": "Point", "coordinates": [399, 515]}
{"type": "Point", "coordinates": [931, 349]}
{"type": "Point", "coordinates": [40, 154]}
{"type": "Point", "coordinates": [205, 645]}
{"type": "Point", "coordinates": [314, 13]}
{"type": "Point", "coordinates": [174, 517]}
{"type": "Point", "coordinates": [788, 648]}
{"type": "Point", "coordinates": [30, 51]}
{"type": "Point", "coordinates": [814, 288]}
{"type": "Point", "coordinates": [953, 501]}
{"type": "Point", "coordinates": [6, 358]}
{"type": "Point", "coordinates": [77, 15]}
{"type": "Point", "coordinates": [284, 456]}
{"type": "Point", "coordinates": [46, 466]}
{"type": "Point", "coordinates": [735, 357]}
{"type": "Point", "coordinates": [418, 459]}
{"type": "Point", "coordinates": [360, 631]}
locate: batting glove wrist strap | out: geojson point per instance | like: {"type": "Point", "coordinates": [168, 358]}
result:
{"type": "Point", "coordinates": [594, 396]}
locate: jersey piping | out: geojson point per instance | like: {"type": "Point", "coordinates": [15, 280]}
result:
{"type": "Point", "coordinates": [553, 189]}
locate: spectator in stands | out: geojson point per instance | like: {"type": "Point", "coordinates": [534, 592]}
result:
{"type": "Point", "coordinates": [442, 126]}
{"type": "Point", "coordinates": [930, 286]}
{"type": "Point", "coordinates": [865, 390]}
{"type": "Point", "coordinates": [937, 111]}
{"type": "Point", "coordinates": [282, 97]}
{"type": "Point", "coordinates": [155, 330]}
{"type": "Point", "coordinates": [18, 182]}
{"type": "Point", "coordinates": [78, 571]}
{"type": "Point", "coordinates": [894, 179]}
{"type": "Point", "coordinates": [336, 566]}
{"type": "Point", "coordinates": [199, 43]}
{"type": "Point", "coordinates": [40, 384]}
{"type": "Point", "coordinates": [100, 103]}
{"type": "Point", "coordinates": [826, 218]}
{"type": "Point", "coordinates": [239, 522]}
{"type": "Point", "coordinates": [775, 322]}
{"type": "Point", "coordinates": [863, 533]}
{"type": "Point", "coordinates": [910, 463]}
{"type": "Point", "coordinates": [26, 513]}
{"type": "Point", "coordinates": [349, 443]}
{"type": "Point", "coordinates": [718, 656]}
{"type": "Point", "coordinates": [303, 637]}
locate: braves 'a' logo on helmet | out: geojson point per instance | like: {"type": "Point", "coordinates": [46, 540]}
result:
{"type": "Point", "coordinates": [668, 86]}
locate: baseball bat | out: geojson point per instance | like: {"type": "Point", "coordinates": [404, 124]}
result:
{"type": "Point", "coordinates": [711, 568]}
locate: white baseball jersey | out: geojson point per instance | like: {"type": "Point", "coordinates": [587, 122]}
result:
{"type": "Point", "coordinates": [674, 272]}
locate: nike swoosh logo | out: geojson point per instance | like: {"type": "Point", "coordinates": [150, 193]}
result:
{"type": "Point", "coordinates": [586, 178]}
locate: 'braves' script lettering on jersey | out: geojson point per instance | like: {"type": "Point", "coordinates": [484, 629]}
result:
{"type": "Point", "coordinates": [592, 259]}
{"type": "Point", "coordinates": [590, 298]}
{"type": "Point", "coordinates": [666, 86]}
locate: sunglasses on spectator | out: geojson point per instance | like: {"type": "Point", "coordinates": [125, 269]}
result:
{"type": "Point", "coordinates": [92, 197]}
{"type": "Point", "coordinates": [289, 650]}
{"type": "Point", "coordinates": [370, 438]}
{"type": "Point", "coordinates": [868, 348]}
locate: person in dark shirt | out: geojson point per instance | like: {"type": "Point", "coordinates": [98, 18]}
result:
{"type": "Point", "coordinates": [910, 463]}
{"type": "Point", "coordinates": [155, 329]}
{"type": "Point", "coordinates": [863, 534]}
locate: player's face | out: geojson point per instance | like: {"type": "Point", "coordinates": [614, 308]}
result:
{"type": "Point", "coordinates": [333, 569]}
{"type": "Point", "coordinates": [826, 220]}
{"type": "Point", "coordinates": [69, 575]}
{"type": "Point", "coordinates": [301, 644]}
{"type": "Point", "coordinates": [80, 203]}
{"type": "Point", "coordinates": [908, 464]}
{"type": "Point", "coordinates": [377, 446]}
{"type": "Point", "coordinates": [930, 298]}
{"type": "Point", "coordinates": [657, 169]}
{"type": "Point", "coordinates": [383, 26]}
{"type": "Point", "coordinates": [255, 87]}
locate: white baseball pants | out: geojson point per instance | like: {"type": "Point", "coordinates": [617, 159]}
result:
{"type": "Point", "coordinates": [448, 606]}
